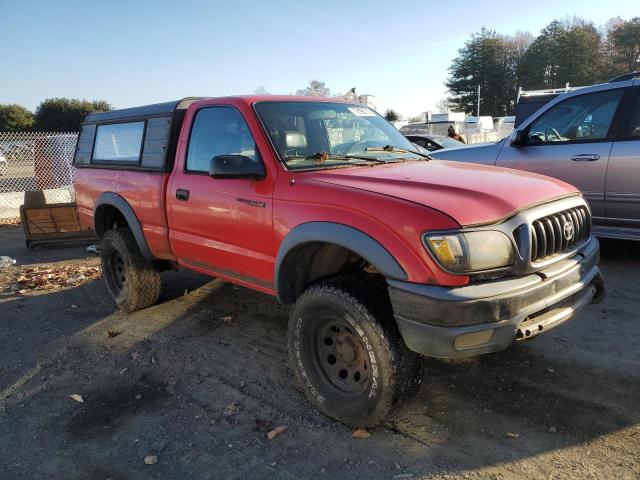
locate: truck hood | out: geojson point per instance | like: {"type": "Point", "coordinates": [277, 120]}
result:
{"type": "Point", "coordinates": [469, 193]}
{"type": "Point", "coordinates": [484, 153]}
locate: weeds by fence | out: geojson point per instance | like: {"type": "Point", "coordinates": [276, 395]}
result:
{"type": "Point", "coordinates": [35, 161]}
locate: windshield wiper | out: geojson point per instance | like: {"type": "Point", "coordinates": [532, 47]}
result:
{"type": "Point", "coordinates": [391, 148]}
{"type": "Point", "coordinates": [321, 157]}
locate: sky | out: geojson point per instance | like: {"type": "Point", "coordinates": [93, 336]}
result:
{"type": "Point", "coordinates": [138, 52]}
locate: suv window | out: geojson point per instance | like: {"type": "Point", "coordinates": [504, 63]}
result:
{"type": "Point", "coordinates": [583, 118]}
{"type": "Point", "coordinates": [218, 131]}
{"type": "Point", "coordinates": [630, 127]}
{"type": "Point", "coordinates": [119, 142]}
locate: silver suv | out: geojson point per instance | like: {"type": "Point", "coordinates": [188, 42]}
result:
{"type": "Point", "coordinates": [589, 137]}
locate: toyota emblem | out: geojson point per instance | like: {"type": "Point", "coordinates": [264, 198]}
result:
{"type": "Point", "coordinates": [567, 230]}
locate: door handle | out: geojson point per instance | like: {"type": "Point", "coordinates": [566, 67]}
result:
{"type": "Point", "coordinates": [182, 194]}
{"type": "Point", "coordinates": [585, 157]}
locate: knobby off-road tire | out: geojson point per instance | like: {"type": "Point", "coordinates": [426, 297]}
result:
{"type": "Point", "coordinates": [132, 280]}
{"type": "Point", "coordinates": [347, 353]}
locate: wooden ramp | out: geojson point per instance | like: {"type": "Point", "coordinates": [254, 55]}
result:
{"type": "Point", "coordinates": [52, 223]}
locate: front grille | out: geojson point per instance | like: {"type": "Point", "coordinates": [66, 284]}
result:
{"type": "Point", "coordinates": [558, 232]}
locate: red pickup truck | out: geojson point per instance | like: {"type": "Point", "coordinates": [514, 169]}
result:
{"type": "Point", "coordinates": [385, 254]}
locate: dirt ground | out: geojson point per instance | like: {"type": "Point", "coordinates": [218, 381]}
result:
{"type": "Point", "coordinates": [200, 378]}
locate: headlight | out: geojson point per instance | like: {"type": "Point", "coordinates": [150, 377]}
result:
{"type": "Point", "coordinates": [471, 251]}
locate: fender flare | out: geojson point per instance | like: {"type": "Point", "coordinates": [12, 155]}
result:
{"type": "Point", "coordinates": [114, 200]}
{"type": "Point", "coordinates": [348, 237]}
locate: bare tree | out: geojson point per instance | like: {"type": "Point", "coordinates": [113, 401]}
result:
{"type": "Point", "coordinates": [316, 88]}
{"type": "Point", "coordinates": [571, 21]}
{"type": "Point", "coordinates": [262, 90]}
{"type": "Point", "coordinates": [520, 41]}
{"type": "Point", "coordinates": [443, 105]}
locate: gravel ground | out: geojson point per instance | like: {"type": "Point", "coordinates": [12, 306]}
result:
{"type": "Point", "coordinates": [199, 379]}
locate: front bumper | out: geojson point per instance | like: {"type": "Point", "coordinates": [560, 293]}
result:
{"type": "Point", "coordinates": [486, 317]}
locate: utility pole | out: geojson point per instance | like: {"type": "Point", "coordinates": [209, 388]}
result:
{"type": "Point", "coordinates": [478, 110]}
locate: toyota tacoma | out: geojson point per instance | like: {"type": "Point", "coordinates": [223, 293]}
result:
{"type": "Point", "coordinates": [384, 254]}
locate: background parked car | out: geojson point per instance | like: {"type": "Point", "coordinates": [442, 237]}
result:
{"type": "Point", "coordinates": [589, 137]}
{"type": "Point", "coordinates": [433, 142]}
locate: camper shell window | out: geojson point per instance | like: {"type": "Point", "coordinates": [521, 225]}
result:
{"type": "Point", "coordinates": [139, 138]}
{"type": "Point", "coordinates": [119, 142]}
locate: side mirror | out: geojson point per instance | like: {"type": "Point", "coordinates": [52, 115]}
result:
{"type": "Point", "coordinates": [518, 139]}
{"type": "Point", "coordinates": [236, 166]}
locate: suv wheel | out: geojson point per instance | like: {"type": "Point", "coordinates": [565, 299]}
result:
{"type": "Point", "coordinates": [346, 351]}
{"type": "Point", "coordinates": [132, 280]}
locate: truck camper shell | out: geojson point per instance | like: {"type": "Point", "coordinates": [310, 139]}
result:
{"type": "Point", "coordinates": [151, 129]}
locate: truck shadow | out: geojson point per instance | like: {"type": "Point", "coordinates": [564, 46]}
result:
{"type": "Point", "coordinates": [12, 240]}
{"type": "Point", "coordinates": [545, 403]}
{"type": "Point", "coordinates": [202, 376]}
{"type": "Point", "coordinates": [611, 250]}
{"type": "Point", "coordinates": [34, 325]}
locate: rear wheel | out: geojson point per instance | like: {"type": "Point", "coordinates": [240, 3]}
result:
{"type": "Point", "coordinates": [132, 280]}
{"type": "Point", "coordinates": [347, 353]}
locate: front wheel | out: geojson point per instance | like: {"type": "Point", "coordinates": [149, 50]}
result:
{"type": "Point", "coordinates": [347, 352]}
{"type": "Point", "coordinates": [132, 280]}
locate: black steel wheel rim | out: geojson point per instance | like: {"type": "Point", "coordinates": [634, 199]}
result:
{"type": "Point", "coordinates": [340, 355]}
{"type": "Point", "coordinates": [117, 271]}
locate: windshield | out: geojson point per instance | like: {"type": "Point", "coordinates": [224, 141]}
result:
{"type": "Point", "coordinates": [450, 143]}
{"type": "Point", "coordinates": [316, 135]}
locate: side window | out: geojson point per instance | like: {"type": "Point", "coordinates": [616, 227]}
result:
{"type": "Point", "coordinates": [85, 144]}
{"type": "Point", "coordinates": [583, 118]}
{"type": "Point", "coordinates": [630, 127]}
{"type": "Point", "coordinates": [218, 131]}
{"type": "Point", "coordinates": [118, 142]}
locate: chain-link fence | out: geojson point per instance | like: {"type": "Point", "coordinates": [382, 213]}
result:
{"type": "Point", "coordinates": [35, 161]}
{"type": "Point", "coordinates": [469, 134]}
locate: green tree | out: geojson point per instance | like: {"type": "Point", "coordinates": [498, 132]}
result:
{"type": "Point", "coordinates": [391, 115]}
{"type": "Point", "coordinates": [316, 88]}
{"type": "Point", "coordinates": [569, 51]}
{"type": "Point", "coordinates": [65, 114]}
{"type": "Point", "coordinates": [15, 118]}
{"type": "Point", "coordinates": [582, 60]}
{"type": "Point", "coordinates": [608, 49]}
{"type": "Point", "coordinates": [624, 42]}
{"type": "Point", "coordinates": [489, 60]}
{"type": "Point", "coordinates": [540, 63]}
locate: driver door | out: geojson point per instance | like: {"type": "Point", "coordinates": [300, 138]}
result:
{"type": "Point", "coordinates": [223, 226]}
{"type": "Point", "coordinates": [571, 141]}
